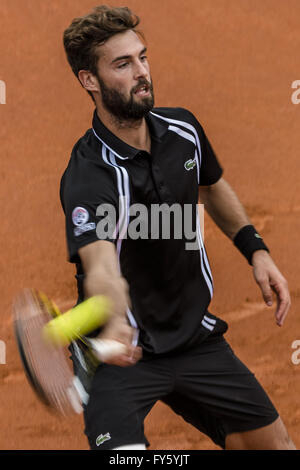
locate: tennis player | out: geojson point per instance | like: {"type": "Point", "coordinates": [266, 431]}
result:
{"type": "Point", "coordinates": [161, 288]}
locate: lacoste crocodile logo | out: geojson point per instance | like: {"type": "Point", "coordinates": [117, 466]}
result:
{"type": "Point", "coordinates": [102, 438]}
{"type": "Point", "coordinates": [190, 164]}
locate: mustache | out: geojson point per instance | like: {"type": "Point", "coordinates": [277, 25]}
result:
{"type": "Point", "coordinates": [142, 82]}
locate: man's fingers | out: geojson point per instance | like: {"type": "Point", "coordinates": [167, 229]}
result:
{"type": "Point", "coordinates": [132, 356]}
{"type": "Point", "coordinates": [269, 279]}
{"type": "Point", "coordinates": [118, 330]}
{"type": "Point", "coordinates": [283, 298]}
{"type": "Point", "coordinates": [283, 301]}
{"type": "Point", "coordinates": [266, 291]}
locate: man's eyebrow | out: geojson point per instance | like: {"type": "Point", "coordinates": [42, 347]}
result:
{"type": "Point", "coordinates": [124, 57]}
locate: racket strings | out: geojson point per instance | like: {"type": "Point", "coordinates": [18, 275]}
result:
{"type": "Point", "coordinates": [50, 370]}
{"type": "Point", "coordinates": [47, 364]}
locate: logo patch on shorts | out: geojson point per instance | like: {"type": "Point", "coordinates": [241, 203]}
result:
{"type": "Point", "coordinates": [102, 438]}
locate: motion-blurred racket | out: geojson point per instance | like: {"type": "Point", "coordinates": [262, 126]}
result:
{"type": "Point", "coordinates": [42, 333]}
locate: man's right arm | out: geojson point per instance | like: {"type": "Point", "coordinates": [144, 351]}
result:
{"type": "Point", "coordinates": [102, 277]}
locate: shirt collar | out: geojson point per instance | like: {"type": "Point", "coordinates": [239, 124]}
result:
{"type": "Point", "coordinates": [157, 127]}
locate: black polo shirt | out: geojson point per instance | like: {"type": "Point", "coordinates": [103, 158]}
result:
{"type": "Point", "coordinates": [170, 286]}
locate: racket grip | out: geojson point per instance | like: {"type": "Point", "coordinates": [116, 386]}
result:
{"type": "Point", "coordinates": [79, 321]}
{"type": "Point", "coordinates": [104, 349]}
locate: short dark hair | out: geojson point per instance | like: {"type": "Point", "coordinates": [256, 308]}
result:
{"type": "Point", "coordinates": [88, 32]}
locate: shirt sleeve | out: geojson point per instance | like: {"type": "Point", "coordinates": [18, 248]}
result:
{"type": "Point", "coordinates": [91, 211]}
{"type": "Point", "coordinates": [210, 168]}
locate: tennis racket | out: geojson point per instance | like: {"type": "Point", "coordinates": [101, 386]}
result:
{"type": "Point", "coordinates": [42, 332]}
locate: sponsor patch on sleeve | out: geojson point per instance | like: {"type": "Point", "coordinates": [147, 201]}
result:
{"type": "Point", "coordinates": [80, 217]}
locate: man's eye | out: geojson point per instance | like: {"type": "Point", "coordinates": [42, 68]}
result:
{"type": "Point", "coordinates": [122, 66]}
{"type": "Point", "coordinates": [144, 57]}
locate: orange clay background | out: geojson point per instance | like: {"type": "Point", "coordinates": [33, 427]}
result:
{"type": "Point", "coordinates": [231, 62]}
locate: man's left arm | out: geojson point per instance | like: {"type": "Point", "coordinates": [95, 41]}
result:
{"type": "Point", "coordinates": [224, 207]}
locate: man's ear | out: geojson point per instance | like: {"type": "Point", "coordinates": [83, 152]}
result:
{"type": "Point", "coordinates": [88, 80]}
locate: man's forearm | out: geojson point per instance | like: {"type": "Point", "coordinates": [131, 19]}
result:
{"type": "Point", "coordinates": [224, 207]}
{"type": "Point", "coordinates": [99, 283]}
{"type": "Point", "coordinates": [102, 276]}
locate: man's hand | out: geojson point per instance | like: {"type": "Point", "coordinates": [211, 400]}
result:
{"type": "Point", "coordinates": [269, 279]}
{"type": "Point", "coordinates": [118, 329]}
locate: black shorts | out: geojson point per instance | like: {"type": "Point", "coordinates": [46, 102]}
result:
{"type": "Point", "coordinates": [207, 385]}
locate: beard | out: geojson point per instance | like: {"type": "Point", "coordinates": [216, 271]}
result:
{"type": "Point", "coordinates": [126, 109]}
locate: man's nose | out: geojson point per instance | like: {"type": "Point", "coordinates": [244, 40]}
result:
{"type": "Point", "coordinates": [141, 71]}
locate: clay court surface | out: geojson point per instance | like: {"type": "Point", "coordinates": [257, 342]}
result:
{"type": "Point", "coordinates": [232, 63]}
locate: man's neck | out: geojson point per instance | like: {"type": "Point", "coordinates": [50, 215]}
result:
{"type": "Point", "coordinates": [134, 133]}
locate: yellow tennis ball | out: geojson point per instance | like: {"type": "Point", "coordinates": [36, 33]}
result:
{"type": "Point", "coordinates": [79, 321]}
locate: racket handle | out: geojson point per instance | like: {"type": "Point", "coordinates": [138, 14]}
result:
{"type": "Point", "coordinates": [79, 321]}
{"type": "Point", "coordinates": [104, 349]}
